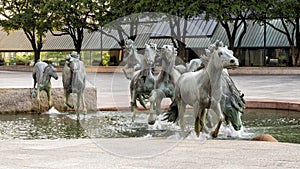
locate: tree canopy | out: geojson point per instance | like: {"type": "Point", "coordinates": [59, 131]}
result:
{"type": "Point", "coordinates": [74, 17]}
{"type": "Point", "coordinates": [31, 16]}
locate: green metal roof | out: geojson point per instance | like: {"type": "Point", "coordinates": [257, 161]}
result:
{"type": "Point", "coordinates": [205, 33]}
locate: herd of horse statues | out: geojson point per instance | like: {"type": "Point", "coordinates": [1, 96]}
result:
{"type": "Point", "coordinates": [73, 78]}
{"type": "Point", "coordinates": [203, 84]}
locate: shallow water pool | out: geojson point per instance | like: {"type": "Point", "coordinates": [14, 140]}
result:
{"type": "Point", "coordinates": [283, 125]}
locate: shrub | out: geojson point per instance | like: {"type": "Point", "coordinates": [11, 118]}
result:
{"type": "Point", "coordinates": [105, 59]}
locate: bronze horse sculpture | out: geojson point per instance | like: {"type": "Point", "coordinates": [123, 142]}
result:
{"type": "Point", "coordinates": [203, 89]}
{"type": "Point", "coordinates": [165, 82]}
{"type": "Point", "coordinates": [74, 80]}
{"type": "Point", "coordinates": [132, 58]}
{"type": "Point", "coordinates": [142, 82]}
{"type": "Point", "coordinates": [42, 73]}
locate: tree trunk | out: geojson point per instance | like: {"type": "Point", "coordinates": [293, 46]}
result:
{"type": "Point", "coordinates": [292, 56]}
{"type": "Point", "coordinates": [37, 54]}
{"type": "Point", "coordinates": [181, 59]}
{"type": "Point", "coordinates": [297, 41]}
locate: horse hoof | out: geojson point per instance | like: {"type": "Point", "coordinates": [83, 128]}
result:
{"type": "Point", "coordinates": [84, 112]}
{"type": "Point", "coordinates": [214, 135]}
{"type": "Point", "coordinates": [151, 122]}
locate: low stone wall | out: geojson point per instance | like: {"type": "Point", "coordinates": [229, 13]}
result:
{"type": "Point", "coordinates": [19, 100]}
{"type": "Point", "coordinates": [99, 69]}
{"type": "Point", "coordinates": [273, 104]}
{"type": "Point", "coordinates": [265, 71]}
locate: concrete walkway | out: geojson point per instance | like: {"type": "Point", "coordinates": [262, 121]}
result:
{"type": "Point", "coordinates": [154, 152]}
{"type": "Point", "coordinates": [144, 153]}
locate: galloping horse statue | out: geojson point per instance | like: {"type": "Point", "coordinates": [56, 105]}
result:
{"type": "Point", "coordinates": [203, 89]}
{"type": "Point", "coordinates": [142, 82]}
{"type": "Point", "coordinates": [132, 58]}
{"type": "Point", "coordinates": [232, 102]}
{"type": "Point", "coordinates": [74, 77]}
{"type": "Point", "coordinates": [42, 73]}
{"type": "Point", "coordinates": [165, 82]}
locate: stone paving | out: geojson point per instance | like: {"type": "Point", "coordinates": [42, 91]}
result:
{"type": "Point", "coordinates": [154, 152]}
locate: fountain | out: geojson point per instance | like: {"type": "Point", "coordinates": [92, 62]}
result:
{"type": "Point", "coordinates": [283, 125]}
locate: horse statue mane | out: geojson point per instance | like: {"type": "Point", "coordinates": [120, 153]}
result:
{"type": "Point", "coordinates": [209, 52]}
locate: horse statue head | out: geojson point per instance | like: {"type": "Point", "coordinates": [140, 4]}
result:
{"type": "Point", "coordinates": [129, 47]}
{"type": "Point", "coordinates": [50, 71]}
{"type": "Point", "coordinates": [129, 43]}
{"type": "Point", "coordinates": [168, 54]}
{"type": "Point", "coordinates": [150, 55]}
{"type": "Point", "coordinates": [224, 59]}
{"type": "Point", "coordinates": [78, 73]}
{"type": "Point", "coordinates": [73, 63]}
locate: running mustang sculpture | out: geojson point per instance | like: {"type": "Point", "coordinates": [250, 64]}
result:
{"type": "Point", "coordinates": [42, 73]}
{"type": "Point", "coordinates": [74, 77]}
{"type": "Point", "coordinates": [165, 82]}
{"type": "Point", "coordinates": [203, 89]}
{"type": "Point", "coordinates": [142, 82]}
{"type": "Point", "coordinates": [132, 59]}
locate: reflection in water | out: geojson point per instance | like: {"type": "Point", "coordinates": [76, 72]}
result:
{"type": "Point", "coordinates": [284, 126]}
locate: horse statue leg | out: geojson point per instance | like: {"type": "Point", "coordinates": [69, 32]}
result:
{"type": "Point", "coordinates": [78, 104]}
{"type": "Point", "coordinates": [155, 102]}
{"type": "Point", "coordinates": [152, 98]}
{"type": "Point", "coordinates": [124, 71]}
{"type": "Point", "coordinates": [218, 110]}
{"type": "Point", "coordinates": [67, 104]}
{"type": "Point", "coordinates": [38, 100]}
{"type": "Point", "coordinates": [49, 98]}
{"type": "Point", "coordinates": [181, 111]}
{"type": "Point", "coordinates": [83, 103]}
{"type": "Point", "coordinates": [133, 105]}
{"type": "Point", "coordinates": [197, 114]}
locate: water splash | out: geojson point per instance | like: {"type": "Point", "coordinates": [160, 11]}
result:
{"type": "Point", "coordinates": [202, 137]}
{"type": "Point", "coordinates": [53, 111]}
{"type": "Point", "coordinates": [227, 132]}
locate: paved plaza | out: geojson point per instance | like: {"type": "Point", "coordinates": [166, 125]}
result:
{"type": "Point", "coordinates": [112, 91]}
{"type": "Point", "coordinates": [113, 88]}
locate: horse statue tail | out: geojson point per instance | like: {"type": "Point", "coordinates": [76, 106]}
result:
{"type": "Point", "coordinates": [172, 114]}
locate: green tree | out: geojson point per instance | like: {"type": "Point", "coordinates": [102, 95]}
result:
{"type": "Point", "coordinates": [288, 13]}
{"type": "Point", "coordinates": [31, 16]}
{"type": "Point", "coordinates": [74, 17]}
{"type": "Point", "coordinates": [232, 15]}
{"type": "Point", "coordinates": [178, 14]}
{"type": "Point", "coordinates": [123, 13]}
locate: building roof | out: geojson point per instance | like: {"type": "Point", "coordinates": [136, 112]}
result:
{"type": "Point", "coordinates": [254, 37]}
{"type": "Point", "coordinates": [197, 27]}
{"type": "Point", "coordinates": [200, 34]}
